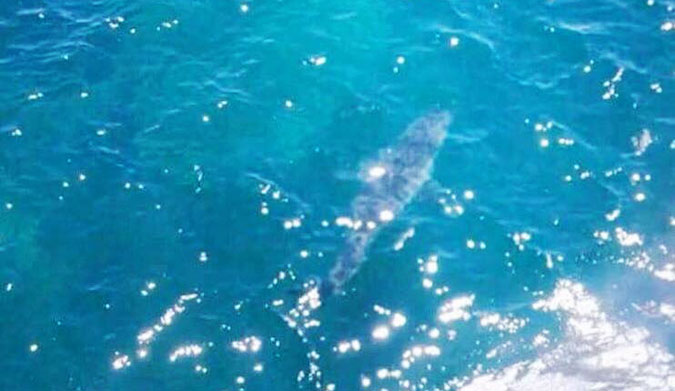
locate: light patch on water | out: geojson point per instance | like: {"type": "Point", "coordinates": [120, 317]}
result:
{"type": "Point", "coordinates": [612, 172]}
{"type": "Point", "coordinates": [101, 132]}
{"type": "Point", "coordinates": [344, 221]}
{"type": "Point", "coordinates": [434, 333]}
{"type": "Point", "coordinates": [602, 236]}
{"type": "Point", "coordinates": [147, 335]}
{"type": "Point", "coordinates": [642, 141]}
{"type": "Point", "coordinates": [318, 60]}
{"type": "Point", "coordinates": [542, 339]}
{"type": "Point", "coordinates": [381, 332]}
{"type": "Point", "coordinates": [120, 362]}
{"type": "Point", "coordinates": [520, 238]}
{"type": "Point", "coordinates": [454, 209]}
{"type": "Point", "coordinates": [506, 323]}
{"type": "Point", "coordinates": [549, 260]}
{"type": "Point", "coordinates": [300, 317]}
{"type": "Point", "coordinates": [565, 141]}
{"type": "Point", "coordinates": [376, 172]}
{"type": "Point", "coordinates": [203, 257]}
{"type": "Point", "coordinates": [384, 373]}
{"type": "Point", "coordinates": [247, 345]}
{"type": "Point", "coordinates": [640, 260]}
{"type": "Point", "coordinates": [114, 22]}
{"type": "Point", "coordinates": [611, 85]}
{"type": "Point", "coordinates": [597, 353]}
{"type": "Point", "coordinates": [431, 265]}
{"type": "Point", "coordinates": [499, 349]}
{"type": "Point", "coordinates": [654, 309]}
{"type": "Point", "coordinates": [666, 273]}
{"type": "Point", "coordinates": [398, 320]}
{"type": "Point", "coordinates": [613, 215]}
{"type": "Point", "coordinates": [585, 175]}
{"type": "Point", "coordinates": [656, 87]}
{"type": "Point", "coordinates": [400, 243]}
{"type": "Point", "coordinates": [35, 95]}
{"type": "Point", "coordinates": [149, 287]}
{"type": "Point", "coordinates": [427, 283]}
{"type": "Point", "coordinates": [386, 215]}
{"type": "Point", "coordinates": [472, 244]}
{"type": "Point", "coordinates": [668, 311]}
{"type": "Point", "coordinates": [168, 24]}
{"type": "Point", "coordinates": [381, 310]}
{"type": "Point", "coordinates": [348, 346]}
{"type": "Point", "coordinates": [588, 67]}
{"type": "Point", "coordinates": [456, 309]}
{"type": "Point", "coordinates": [541, 127]}
{"type": "Point", "coordinates": [191, 350]}
{"type": "Point", "coordinates": [292, 223]}
{"type": "Point", "coordinates": [627, 239]}
{"type": "Point", "coordinates": [417, 352]}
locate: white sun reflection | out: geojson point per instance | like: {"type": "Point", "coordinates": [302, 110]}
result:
{"type": "Point", "coordinates": [597, 353]}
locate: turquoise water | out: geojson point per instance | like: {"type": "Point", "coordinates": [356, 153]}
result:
{"type": "Point", "coordinates": [161, 163]}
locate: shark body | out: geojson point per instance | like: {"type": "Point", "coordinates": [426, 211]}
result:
{"type": "Point", "coordinates": [389, 183]}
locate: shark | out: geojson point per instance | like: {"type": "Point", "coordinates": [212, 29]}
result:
{"type": "Point", "coordinates": [389, 183]}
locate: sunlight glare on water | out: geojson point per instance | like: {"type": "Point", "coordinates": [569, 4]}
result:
{"type": "Point", "coordinates": [245, 196]}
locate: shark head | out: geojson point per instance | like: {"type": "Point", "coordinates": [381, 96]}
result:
{"type": "Point", "coordinates": [436, 127]}
{"type": "Point", "coordinates": [429, 132]}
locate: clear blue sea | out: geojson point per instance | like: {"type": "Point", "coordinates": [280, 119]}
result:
{"type": "Point", "coordinates": [172, 171]}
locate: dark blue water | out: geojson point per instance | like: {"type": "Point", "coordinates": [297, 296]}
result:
{"type": "Point", "coordinates": [161, 163]}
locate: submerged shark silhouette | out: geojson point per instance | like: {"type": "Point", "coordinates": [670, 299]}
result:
{"type": "Point", "coordinates": [390, 183]}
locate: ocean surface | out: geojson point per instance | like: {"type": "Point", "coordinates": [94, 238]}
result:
{"type": "Point", "coordinates": [172, 172]}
